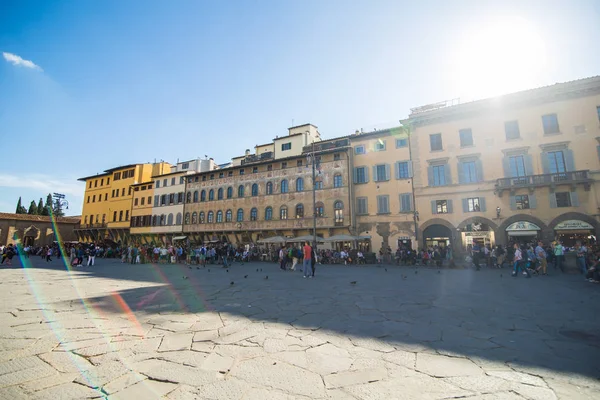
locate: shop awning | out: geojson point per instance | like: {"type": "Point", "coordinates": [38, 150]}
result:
{"type": "Point", "coordinates": [522, 233]}
{"type": "Point", "coordinates": [179, 237]}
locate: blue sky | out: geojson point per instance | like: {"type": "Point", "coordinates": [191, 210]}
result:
{"type": "Point", "coordinates": [119, 82]}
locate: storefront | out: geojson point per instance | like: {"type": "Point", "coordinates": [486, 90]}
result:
{"type": "Point", "coordinates": [437, 235]}
{"type": "Point", "coordinates": [523, 231]}
{"type": "Point", "coordinates": [404, 242]}
{"type": "Point", "coordinates": [573, 230]}
{"type": "Point", "coordinates": [477, 233]}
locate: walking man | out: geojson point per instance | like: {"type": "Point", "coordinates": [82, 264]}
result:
{"type": "Point", "coordinates": [540, 254]}
{"type": "Point", "coordinates": [92, 256]}
{"type": "Point", "coordinates": [559, 255]}
{"type": "Point", "coordinates": [581, 253]}
{"type": "Point", "coordinates": [306, 263]}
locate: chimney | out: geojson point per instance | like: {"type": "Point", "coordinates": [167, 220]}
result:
{"type": "Point", "coordinates": [247, 152]}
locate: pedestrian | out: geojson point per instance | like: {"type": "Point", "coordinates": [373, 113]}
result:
{"type": "Point", "coordinates": [92, 256]}
{"type": "Point", "coordinates": [49, 254]}
{"type": "Point", "coordinates": [540, 254]}
{"type": "Point", "coordinates": [581, 253]}
{"type": "Point", "coordinates": [559, 255]}
{"type": "Point", "coordinates": [296, 254]}
{"type": "Point", "coordinates": [313, 262]}
{"type": "Point", "coordinates": [476, 254]}
{"type": "Point", "coordinates": [282, 255]}
{"type": "Point", "coordinates": [520, 261]}
{"type": "Point", "coordinates": [306, 263]}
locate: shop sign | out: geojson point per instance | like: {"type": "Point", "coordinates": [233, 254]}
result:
{"type": "Point", "coordinates": [573, 224]}
{"type": "Point", "coordinates": [477, 234]}
{"type": "Point", "coordinates": [403, 238]}
{"type": "Point", "coordinates": [522, 226]}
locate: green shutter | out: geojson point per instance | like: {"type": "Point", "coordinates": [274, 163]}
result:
{"type": "Point", "coordinates": [513, 203]}
{"type": "Point", "coordinates": [569, 160]}
{"type": "Point", "coordinates": [479, 170]}
{"type": "Point", "coordinates": [449, 206]}
{"type": "Point", "coordinates": [482, 207]}
{"type": "Point", "coordinates": [465, 204]}
{"type": "Point", "coordinates": [375, 177]}
{"type": "Point", "coordinates": [433, 207]}
{"type": "Point", "coordinates": [545, 163]}
{"type": "Point", "coordinates": [574, 199]}
{"type": "Point", "coordinates": [552, 198]}
{"type": "Point", "coordinates": [387, 172]}
{"type": "Point", "coordinates": [430, 175]}
{"type": "Point", "coordinates": [532, 201]}
{"type": "Point", "coordinates": [410, 169]}
{"type": "Point", "coordinates": [461, 172]}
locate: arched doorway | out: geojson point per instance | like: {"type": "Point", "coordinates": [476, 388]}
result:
{"type": "Point", "coordinates": [477, 229]}
{"type": "Point", "coordinates": [437, 235]}
{"type": "Point", "coordinates": [30, 235]}
{"type": "Point", "coordinates": [572, 227]}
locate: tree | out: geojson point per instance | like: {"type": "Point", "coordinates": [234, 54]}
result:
{"type": "Point", "coordinates": [32, 208]}
{"type": "Point", "coordinates": [48, 204]}
{"type": "Point", "coordinates": [20, 208]}
{"type": "Point", "coordinates": [40, 207]}
{"type": "Point", "coordinates": [57, 209]}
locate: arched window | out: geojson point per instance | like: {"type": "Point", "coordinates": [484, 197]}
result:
{"type": "Point", "coordinates": [338, 210]}
{"type": "Point", "coordinates": [283, 212]}
{"type": "Point", "coordinates": [337, 180]}
{"type": "Point", "coordinates": [229, 192]}
{"type": "Point", "coordinates": [253, 214]}
{"type": "Point", "coordinates": [154, 218]}
{"type": "Point", "coordinates": [319, 209]}
{"type": "Point", "coordinates": [170, 219]}
{"type": "Point", "coordinates": [241, 191]}
{"type": "Point", "coordinates": [219, 216]}
{"type": "Point", "coordinates": [299, 211]}
{"type": "Point", "coordinates": [299, 185]}
{"type": "Point", "coordinates": [255, 189]}
{"type": "Point", "coordinates": [189, 197]}
{"type": "Point", "coordinates": [269, 187]}
{"type": "Point", "coordinates": [268, 214]}
{"type": "Point", "coordinates": [195, 196]}
{"type": "Point", "coordinates": [228, 216]}
{"type": "Point", "coordinates": [194, 217]}
{"type": "Point", "coordinates": [178, 219]}
{"type": "Point", "coordinates": [203, 195]}
{"type": "Point", "coordinates": [163, 220]}
{"type": "Point", "coordinates": [220, 194]}
{"type": "Point", "coordinates": [211, 217]}
{"type": "Point", "coordinates": [284, 186]}
{"type": "Point", "coordinates": [187, 218]}
{"type": "Point", "coordinates": [240, 214]}
{"type": "Point", "coordinates": [201, 217]}
{"type": "Point", "coordinates": [211, 195]}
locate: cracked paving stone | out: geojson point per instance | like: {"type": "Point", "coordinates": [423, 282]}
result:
{"type": "Point", "coordinates": [373, 344]}
{"type": "Point", "coordinates": [102, 374]}
{"type": "Point", "coordinates": [205, 336]}
{"type": "Point", "coordinates": [203, 347]}
{"type": "Point", "coordinates": [66, 362]}
{"type": "Point", "coordinates": [187, 357]}
{"type": "Point", "coordinates": [518, 377]}
{"type": "Point", "coordinates": [184, 392]}
{"type": "Point", "coordinates": [407, 389]}
{"type": "Point", "coordinates": [48, 382]}
{"type": "Point", "coordinates": [228, 389]}
{"type": "Point", "coordinates": [403, 358]}
{"type": "Point", "coordinates": [481, 383]}
{"type": "Point", "coordinates": [535, 392]}
{"type": "Point", "coordinates": [176, 342]}
{"type": "Point", "coordinates": [146, 389]}
{"type": "Point", "coordinates": [28, 374]}
{"type": "Point", "coordinates": [166, 371]}
{"type": "Point", "coordinates": [215, 362]}
{"type": "Point", "coordinates": [443, 366]}
{"type": "Point", "coordinates": [279, 375]}
{"type": "Point", "coordinates": [327, 359]}
{"type": "Point", "coordinates": [350, 378]}
{"type": "Point", "coordinates": [14, 393]}
{"type": "Point", "coordinates": [123, 382]}
{"type": "Point", "coordinates": [67, 391]}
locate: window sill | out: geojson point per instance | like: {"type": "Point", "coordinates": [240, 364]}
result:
{"type": "Point", "coordinates": [470, 146]}
{"type": "Point", "coordinates": [362, 214]}
{"type": "Point", "coordinates": [384, 213]}
{"type": "Point", "coordinates": [436, 151]}
{"type": "Point", "coordinates": [406, 212]}
{"type": "Point", "coordinates": [360, 183]}
{"type": "Point", "coordinates": [552, 134]}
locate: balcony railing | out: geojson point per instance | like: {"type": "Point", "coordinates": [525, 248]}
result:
{"type": "Point", "coordinates": [338, 144]}
{"type": "Point", "coordinates": [572, 177]}
{"type": "Point", "coordinates": [89, 226]}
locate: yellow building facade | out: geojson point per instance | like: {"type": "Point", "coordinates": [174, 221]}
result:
{"type": "Point", "coordinates": [519, 167]}
{"type": "Point", "coordinates": [108, 200]}
{"type": "Point", "coordinates": [141, 212]}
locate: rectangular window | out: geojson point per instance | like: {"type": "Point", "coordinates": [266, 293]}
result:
{"type": "Point", "coordinates": [466, 137]}
{"type": "Point", "coordinates": [286, 146]}
{"type": "Point", "coordinates": [556, 162]}
{"type": "Point", "coordinates": [127, 215]}
{"type": "Point", "coordinates": [469, 171]}
{"type": "Point", "coordinates": [435, 142]}
{"type": "Point", "coordinates": [123, 192]}
{"type": "Point", "coordinates": [229, 174]}
{"type": "Point", "coordinates": [242, 171]}
{"type": "Point", "coordinates": [143, 200]}
{"type": "Point", "coordinates": [359, 150]}
{"type": "Point", "coordinates": [380, 145]}
{"type": "Point", "coordinates": [403, 171]}
{"type": "Point", "coordinates": [299, 163]}
{"type": "Point", "coordinates": [381, 173]}
{"type": "Point", "coordinates": [511, 130]}
{"type": "Point", "coordinates": [439, 175]}
{"type": "Point", "coordinates": [270, 167]}
{"type": "Point", "coordinates": [550, 123]}
{"type": "Point", "coordinates": [90, 185]}
{"type": "Point", "coordinates": [401, 143]}
{"type": "Point", "coordinates": [405, 202]}
{"type": "Point", "coordinates": [362, 206]}
{"type": "Point", "coordinates": [360, 174]}
{"type": "Point", "coordinates": [517, 166]}
{"type": "Point", "coordinates": [93, 198]}
{"type": "Point", "coordinates": [441, 206]}
{"type": "Point", "coordinates": [473, 204]}
{"type": "Point", "coordinates": [130, 190]}
{"type": "Point", "coordinates": [181, 180]}
{"type": "Point", "coordinates": [96, 183]}
{"type": "Point", "coordinates": [102, 182]}
{"type": "Point", "coordinates": [120, 216]}
{"type": "Point", "coordinates": [149, 199]}
{"type": "Point", "coordinates": [383, 204]}
{"type": "Point", "coordinates": [563, 199]}
{"type": "Point", "coordinates": [254, 170]}
{"type": "Point", "coordinates": [185, 165]}
{"type": "Point", "coordinates": [135, 202]}
{"type": "Point", "coordinates": [283, 165]}
{"type": "Point", "coordinates": [165, 182]}
{"type": "Point", "coordinates": [221, 175]}
{"type": "Point", "coordinates": [173, 181]}
{"type": "Point", "coordinates": [105, 196]}
{"type": "Point", "coordinates": [157, 184]}
{"type": "Point", "coordinates": [88, 199]}
{"type": "Point", "coordinates": [108, 181]}
{"type": "Point", "coordinates": [337, 157]}
{"type": "Point", "coordinates": [522, 202]}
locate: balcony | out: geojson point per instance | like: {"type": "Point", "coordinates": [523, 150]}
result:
{"type": "Point", "coordinates": [533, 181]}
{"type": "Point", "coordinates": [329, 145]}
{"type": "Point", "coordinates": [252, 158]}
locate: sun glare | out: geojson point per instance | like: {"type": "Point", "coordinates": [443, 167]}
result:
{"type": "Point", "coordinates": [502, 56]}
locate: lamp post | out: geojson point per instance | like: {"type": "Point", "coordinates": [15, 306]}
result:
{"type": "Point", "coordinates": [59, 203]}
{"type": "Point", "coordinates": [312, 160]}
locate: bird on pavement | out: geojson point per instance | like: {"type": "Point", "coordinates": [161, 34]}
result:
{"type": "Point", "coordinates": [267, 277]}
{"type": "Point", "coordinates": [404, 276]}
{"type": "Point", "coordinates": [185, 277]}
{"type": "Point", "coordinates": [256, 269]}
{"type": "Point", "coordinates": [353, 283]}
{"type": "Point", "coordinates": [386, 270]}
{"type": "Point", "coordinates": [416, 272]}
{"type": "Point", "coordinates": [227, 270]}
{"type": "Point", "coordinates": [439, 272]}
{"type": "Point", "coordinates": [190, 267]}
{"type": "Point", "coordinates": [231, 283]}
{"type": "Point", "coordinates": [245, 276]}
{"type": "Point", "coordinates": [197, 267]}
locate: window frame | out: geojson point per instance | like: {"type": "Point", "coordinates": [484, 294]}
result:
{"type": "Point", "coordinates": [466, 135]}
{"type": "Point", "coordinates": [550, 124]}
{"type": "Point", "coordinates": [433, 138]}
{"type": "Point", "coordinates": [441, 206]}
{"type": "Point", "coordinates": [401, 142]}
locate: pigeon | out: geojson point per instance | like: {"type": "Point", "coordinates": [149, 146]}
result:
{"type": "Point", "coordinates": [261, 270]}
{"type": "Point", "coordinates": [353, 283]}
{"type": "Point", "coordinates": [416, 272]}
{"type": "Point", "coordinates": [439, 272]}
{"type": "Point", "coordinates": [227, 270]}
{"type": "Point", "coordinates": [404, 276]}
{"type": "Point", "coordinates": [231, 283]}
{"type": "Point", "coordinates": [209, 270]}
{"type": "Point", "coordinates": [185, 277]}
{"type": "Point", "coordinates": [386, 270]}
{"type": "Point", "coordinates": [190, 267]}
{"type": "Point", "coordinates": [197, 267]}
{"type": "Point", "coordinates": [267, 277]}
{"type": "Point", "coordinates": [500, 275]}
{"type": "Point", "coordinates": [256, 269]}
{"type": "Point", "coordinates": [245, 276]}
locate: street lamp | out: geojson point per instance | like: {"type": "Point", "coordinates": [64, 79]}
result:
{"type": "Point", "coordinates": [498, 209]}
{"type": "Point", "coordinates": [312, 160]}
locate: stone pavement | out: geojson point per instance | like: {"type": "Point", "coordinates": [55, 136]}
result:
{"type": "Point", "coordinates": [142, 332]}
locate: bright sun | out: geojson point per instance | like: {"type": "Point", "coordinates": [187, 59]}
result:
{"type": "Point", "coordinates": [502, 56]}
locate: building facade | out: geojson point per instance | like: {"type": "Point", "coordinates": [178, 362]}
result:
{"type": "Point", "coordinates": [141, 212]}
{"type": "Point", "coordinates": [514, 168]}
{"type": "Point", "coordinates": [108, 200]}
{"type": "Point", "coordinates": [270, 193]}
{"type": "Point", "coordinates": [35, 230]}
